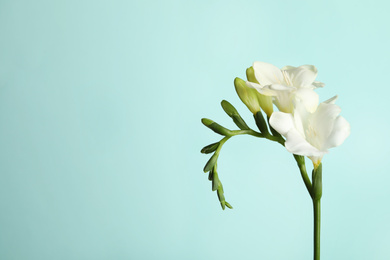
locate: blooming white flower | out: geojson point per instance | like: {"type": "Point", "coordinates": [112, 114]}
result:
{"type": "Point", "coordinates": [312, 134]}
{"type": "Point", "coordinates": [287, 85]}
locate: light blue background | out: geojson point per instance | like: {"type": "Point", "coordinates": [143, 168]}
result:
{"type": "Point", "coordinates": [100, 107]}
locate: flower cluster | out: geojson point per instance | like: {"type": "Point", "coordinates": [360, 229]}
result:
{"type": "Point", "coordinates": [310, 127]}
{"type": "Point", "coordinates": [302, 125]}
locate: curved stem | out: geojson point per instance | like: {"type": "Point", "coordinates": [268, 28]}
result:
{"type": "Point", "coordinates": [317, 227]}
{"type": "Point", "coordinates": [247, 132]}
{"type": "Point", "coordinates": [223, 140]}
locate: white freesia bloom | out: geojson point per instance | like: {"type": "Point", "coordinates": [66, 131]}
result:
{"type": "Point", "coordinates": [312, 134]}
{"type": "Point", "coordinates": [287, 85]}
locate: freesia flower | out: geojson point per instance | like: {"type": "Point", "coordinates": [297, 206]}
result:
{"type": "Point", "coordinates": [287, 85]}
{"type": "Point", "coordinates": [312, 134]}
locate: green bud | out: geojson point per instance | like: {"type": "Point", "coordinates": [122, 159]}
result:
{"type": "Point", "coordinates": [317, 183]}
{"type": "Point", "coordinates": [215, 181]}
{"type": "Point", "coordinates": [250, 75]}
{"type": "Point", "coordinates": [274, 132]}
{"type": "Point", "coordinates": [237, 119]}
{"type": "Point", "coordinates": [264, 101]}
{"type": "Point", "coordinates": [229, 108]}
{"type": "Point", "coordinates": [247, 95]}
{"type": "Point", "coordinates": [233, 113]}
{"type": "Point", "coordinates": [216, 127]}
{"type": "Point", "coordinates": [210, 148]}
{"type": "Point", "coordinates": [211, 173]}
{"type": "Point", "coordinates": [215, 184]}
{"type": "Point", "coordinates": [221, 197]}
{"type": "Point", "coordinates": [207, 121]}
{"type": "Point", "coordinates": [261, 124]}
{"type": "Point", "coordinates": [228, 205]}
{"type": "Point", "coordinates": [211, 162]}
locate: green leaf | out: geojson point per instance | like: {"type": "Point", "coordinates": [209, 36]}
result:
{"type": "Point", "coordinates": [210, 148]}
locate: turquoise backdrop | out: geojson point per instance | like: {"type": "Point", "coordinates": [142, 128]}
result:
{"type": "Point", "coordinates": [100, 133]}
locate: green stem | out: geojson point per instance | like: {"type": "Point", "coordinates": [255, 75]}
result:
{"type": "Point", "coordinates": [278, 139]}
{"type": "Point", "coordinates": [302, 168]}
{"type": "Point", "coordinates": [223, 140]}
{"type": "Point", "coordinates": [317, 227]}
{"type": "Point", "coordinates": [257, 134]}
{"type": "Point", "coordinates": [247, 132]}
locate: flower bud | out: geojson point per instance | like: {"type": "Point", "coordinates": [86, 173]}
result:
{"type": "Point", "coordinates": [264, 101]}
{"type": "Point", "coordinates": [216, 127]}
{"type": "Point", "coordinates": [221, 197]}
{"type": "Point", "coordinates": [211, 162]}
{"type": "Point", "coordinates": [210, 148]}
{"type": "Point", "coordinates": [317, 183]}
{"type": "Point", "coordinates": [228, 205]}
{"type": "Point", "coordinates": [247, 95]}
{"type": "Point", "coordinates": [261, 124]}
{"type": "Point", "coordinates": [233, 113]}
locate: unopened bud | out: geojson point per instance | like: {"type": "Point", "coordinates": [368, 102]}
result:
{"type": "Point", "coordinates": [264, 101]}
{"type": "Point", "coordinates": [216, 127]}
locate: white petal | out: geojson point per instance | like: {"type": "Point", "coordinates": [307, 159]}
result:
{"type": "Point", "coordinates": [316, 159]}
{"type": "Point", "coordinates": [302, 76]}
{"type": "Point", "coordinates": [267, 74]}
{"type": "Point", "coordinates": [288, 67]}
{"type": "Point", "coordinates": [308, 97]}
{"type": "Point", "coordinates": [341, 130]}
{"type": "Point", "coordinates": [296, 144]}
{"type": "Point", "coordinates": [279, 87]}
{"type": "Point", "coordinates": [322, 122]}
{"type": "Point", "coordinates": [331, 100]}
{"type": "Point", "coordinates": [281, 122]}
{"type": "Point", "coordinates": [317, 84]}
{"type": "Point", "coordinates": [253, 85]}
{"type": "Point", "coordinates": [301, 117]}
{"type": "Point", "coordinates": [284, 100]}
{"type": "Point", "coordinates": [265, 90]}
